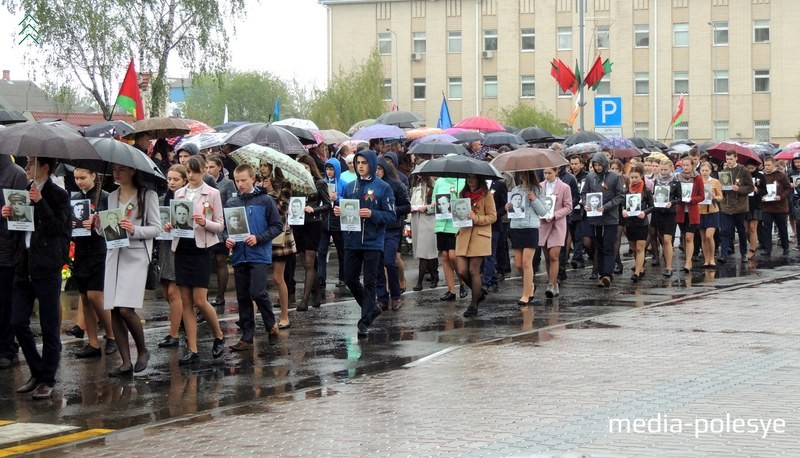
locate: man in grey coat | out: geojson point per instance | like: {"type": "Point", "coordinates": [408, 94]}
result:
{"type": "Point", "coordinates": [604, 227]}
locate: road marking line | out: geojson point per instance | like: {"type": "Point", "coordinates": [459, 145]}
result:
{"type": "Point", "coordinates": [61, 440]}
{"type": "Point", "coordinates": [3, 422]}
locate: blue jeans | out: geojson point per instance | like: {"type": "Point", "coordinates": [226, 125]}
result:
{"type": "Point", "coordinates": [727, 224]}
{"type": "Point", "coordinates": [48, 291]}
{"type": "Point", "coordinates": [604, 238]}
{"type": "Point", "coordinates": [490, 262]}
{"type": "Point", "coordinates": [354, 262]}
{"type": "Point", "coordinates": [251, 286]}
{"type": "Point", "coordinates": [391, 242]}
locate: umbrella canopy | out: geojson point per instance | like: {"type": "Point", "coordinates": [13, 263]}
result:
{"type": "Point", "coordinates": [108, 129]}
{"type": "Point", "coordinates": [583, 148]}
{"type": "Point", "coordinates": [792, 145]}
{"type": "Point", "coordinates": [535, 135]}
{"type": "Point", "coordinates": [379, 131]}
{"type": "Point", "coordinates": [648, 144]}
{"type": "Point", "coordinates": [414, 134]}
{"type": "Point", "coordinates": [359, 125]}
{"type": "Point", "coordinates": [680, 148]}
{"type": "Point", "coordinates": [503, 138]}
{"type": "Point", "coordinates": [682, 142]}
{"type": "Point", "coordinates": [435, 137]}
{"type": "Point", "coordinates": [459, 167]}
{"type": "Point", "coordinates": [204, 141]}
{"type": "Point", "coordinates": [265, 135]}
{"type": "Point", "coordinates": [583, 137]}
{"type": "Point", "coordinates": [254, 154]}
{"type": "Point", "coordinates": [468, 136]}
{"type": "Point", "coordinates": [11, 117]}
{"type": "Point", "coordinates": [616, 142]}
{"type": "Point", "coordinates": [528, 159]}
{"type": "Point", "coordinates": [788, 155]}
{"type": "Point", "coordinates": [333, 136]}
{"type": "Point", "coordinates": [305, 136]}
{"type": "Point", "coordinates": [113, 151]}
{"type": "Point", "coordinates": [744, 154]}
{"type": "Point", "coordinates": [353, 144]}
{"type": "Point", "coordinates": [481, 123]}
{"type": "Point", "coordinates": [438, 148]}
{"type": "Point", "coordinates": [162, 127]}
{"type": "Point", "coordinates": [511, 129]}
{"type": "Point", "coordinates": [626, 153]}
{"type": "Point", "coordinates": [197, 127]}
{"type": "Point", "coordinates": [762, 149]}
{"type": "Point", "coordinates": [295, 122]}
{"type": "Point", "coordinates": [400, 118]}
{"type": "Point", "coordinates": [36, 139]}
{"type": "Point", "coordinates": [229, 126]}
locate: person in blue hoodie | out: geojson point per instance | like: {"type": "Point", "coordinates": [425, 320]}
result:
{"type": "Point", "coordinates": [363, 250]}
{"type": "Point", "coordinates": [330, 225]}
{"type": "Point", "coordinates": [391, 240]}
{"type": "Point", "coordinates": [252, 257]}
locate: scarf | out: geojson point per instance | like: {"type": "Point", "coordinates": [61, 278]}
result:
{"type": "Point", "coordinates": [636, 188]}
{"type": "Point", "coordinates": [474, 196]}
{"type": "Point", "coordinates": [687, 176]}
{"type": "Point", "coordinates": [663, 180]}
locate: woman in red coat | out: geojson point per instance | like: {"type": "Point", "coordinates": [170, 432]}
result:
{"type": "Point", "coordinates": [687, 213]}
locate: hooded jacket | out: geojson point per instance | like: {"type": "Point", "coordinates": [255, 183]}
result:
{"type": "Point", "coordinates": [12, 176]}
{"type": "Point", "coordinates": [735, 202]}
{"type": "Point", "coordinates": [402, 203]}
{"type": "Point", "coordinates": [392, 156]}
{"type": "Point", "coordinates": [265, 223]}
{"type": "Point", "coordinates": [376, 195]}
{"type": "Point", "coordinates": [610, 185]}
{"type": "Point", "coordinates": [331, 222]}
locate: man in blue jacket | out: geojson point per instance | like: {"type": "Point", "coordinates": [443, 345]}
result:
{"type": "Point", "coordinates": [252, 257]}
{"type": "Point", "coordinates": [362, 250]}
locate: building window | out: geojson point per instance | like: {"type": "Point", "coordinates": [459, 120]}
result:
{"type": "Point", "coordinates": [420, 43]}
{"type": "Point", "coordinates": [564, 37]}
{"type": "Point", "coordinates": [387, 89]}
{"type": "Point", "coordinates": [761, 81]}
{"type": "Point", "coordinates": [385, 43]}
{"type": "Point", "coordinates": [761, 131]}
{"type": "Point", "coordinates": [681, 131]}
{"type": "Point", "coordinates": [419, 88]}
{"type": "Point", "coordinates": [561, 93]}
{"type": "Point", "coordinates": [641, 83]}
{"type": "Point", "coordinates": [721, 131]}
{"type": "Point", "coordinates": [680, 83]}
{"type": "Point", "coordinates": [720, 81]}
{"type": "Point", "coordinates": [454, 88]}
{"type": "Point", "coordinates": [680, 34]}
{"type": "Point", "coordinates": [528, 40]}
{"type": "Point", "coordinates": [490, 40]}
{"type": "Point", "coordinates": [528, 89]}
{"type": "Point", "coordinates": [454, 42]}
{"type": "Point", "coordinates": [603, 37]}
{"type": "Point", "coordinates": [604, 87]}
{"type": "Point", "coordinates": [490, 87]}
{"type": "Point", "coordinates": [761, 31]}
{"type": "Point", "coordinates": [641, 35]}
{"type": "Point", "coordinates": [641, 129]}
{"type": "Point", "coordinates": [720, 33]}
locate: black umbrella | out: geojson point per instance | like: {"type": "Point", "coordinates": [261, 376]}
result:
{"type": "Point", "coordinates": [37, 139]}
{"type": "Point", "coordinates": [230, 126]}
{"type": "Point", "coordinates": [468, 137]}
{"type": "Point", "coordinates": [502, 138]}
{"type": "Point", "coordinates": [682, 142]}
{"type": "Point", "coordinates": [511, 129]}
{"type": "Point", "coordinates": [405, 119]}
{"type": "Point", "coordinates": [438, 148]}
{"type": "Point", "coordinates": [108, 129]}
{"type": "Point", "coordinates": [459, 167]}
{"type": "Point", "coordinates": [11, 117]}
{"type": "Point", "coordinates": [266, 135]}
{"type": "Point", "coordinates": [583, 137]}
{"type": "Point", "coordinates": [304, 135]}
{"type": "Point", "coordinates": [535, 135]}
{"type": "Point", "coordinates": [112, 151]}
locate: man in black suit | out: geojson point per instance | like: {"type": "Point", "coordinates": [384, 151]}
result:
{"type": "Point", "coordinates": [112, 230]}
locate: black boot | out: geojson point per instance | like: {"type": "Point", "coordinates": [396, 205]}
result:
{"type": "Point", "coordinates": [423, 267]}
{"type": "Point", "coordinates": [433, 269]}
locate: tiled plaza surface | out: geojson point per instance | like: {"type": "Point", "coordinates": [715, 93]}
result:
{"type": "Point", "coordinates": [717, 375]}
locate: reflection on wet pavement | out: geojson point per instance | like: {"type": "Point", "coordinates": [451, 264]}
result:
{"type": "Point", "coordinates": [321, 350]}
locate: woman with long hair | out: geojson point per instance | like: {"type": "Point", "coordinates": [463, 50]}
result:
{"type": "Point", "coordinates": [88, 268]}
{"type": "Point", "coordinates": [283, 247]}
{"type": "Point", "coordinates": [176, 179]}
{"type": "Point", "coordinates": [307, 236]}
{"type": "Point", "coordinates": [126, 268]}
{"type": "Point", "coordinates": [687, 215]}
{"type": "Point", "coordinates": [553, 227]}
{"type": "Point", "coordinates": [474, 243]}
{"type": "Point", "coordinates": [668, 190]}
{"type": "Point", "coordinates": [192, 257]}
{"type": "Point", "coordinates": [636, 224]}
{"type": "Point", "coordinates": [524, 232]}
{"type": "Point", "coordinates": [423, 222]}
{"type": "Point", "coordinates": [709, 215]}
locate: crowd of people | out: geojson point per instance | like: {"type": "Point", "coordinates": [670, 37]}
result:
{"type": "Point", "coordinates": [362, 201]}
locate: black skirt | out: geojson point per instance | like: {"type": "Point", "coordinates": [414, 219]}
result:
{"type": "Point", "coordinates": [192, 265]}
{"type": "Point", "coordinates": [524, 238]}
{"type": "Point", "coordinates": [307, 236]}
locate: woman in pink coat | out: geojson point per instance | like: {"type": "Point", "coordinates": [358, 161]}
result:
{"type": "Point", "coordinates": [553, 228]}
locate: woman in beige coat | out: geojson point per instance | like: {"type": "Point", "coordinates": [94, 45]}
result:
{"type": "Point", "coordinates": [474, 243]}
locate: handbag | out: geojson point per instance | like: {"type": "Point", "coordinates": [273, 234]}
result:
{"type": "Point", "coordinates": [153, 268]}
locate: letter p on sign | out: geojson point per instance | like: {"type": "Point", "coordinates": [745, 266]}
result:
{"type": "Point", "coordinates": [608, 111]}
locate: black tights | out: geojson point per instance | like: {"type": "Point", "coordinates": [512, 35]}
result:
{"type": "Point", "coordinates": [221, 262]}
{"type": "Point", "coordinates": [312, 281]}
{"type": "Point", "coordinates": [123, 320]}
{"type": "Point", "coordinates": [469, 271]}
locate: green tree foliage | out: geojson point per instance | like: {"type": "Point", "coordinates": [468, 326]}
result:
{"type": "Point", "coordinates": [524, 115]}
{"type": "Point", "coordinates": [67, 98]}
{"type": "Point", "coordinates": [351, 96]}
{"type": "Point", "coordinates": [250, 96]}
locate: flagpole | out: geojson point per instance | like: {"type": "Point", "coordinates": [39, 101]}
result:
{"type": "Point", "coordinates": [666, 134]}
{"type": "Point", "coordinates": [581, 26]}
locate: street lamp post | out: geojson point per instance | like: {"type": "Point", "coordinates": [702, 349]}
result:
{"type": "Point", "coordinates": [395, 69]}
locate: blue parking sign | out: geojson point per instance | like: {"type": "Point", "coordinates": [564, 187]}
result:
{"type": "Point", "coordinates": [607, 111]}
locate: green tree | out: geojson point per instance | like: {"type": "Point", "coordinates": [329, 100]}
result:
{"type": "Point", "coordinates": [524, 115]}
{"type": "Point", "coordinates": [250, 96]}
{"type": "Point", "coordinates": [351, 96]}
{"type": "Point", "coordinates": [68, 98]}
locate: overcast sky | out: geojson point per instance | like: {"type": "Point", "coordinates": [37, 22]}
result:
{"type": "Point", "coordinates": [285, 37]}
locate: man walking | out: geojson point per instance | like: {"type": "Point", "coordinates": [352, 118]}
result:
{"type": "Point", "coordinates": [734, 207]}
{"type": "Point", "coordinates": [604, 227]}
{"type": "Point", "coordinates": [252, 257]}
{"type": "Point", "coordinates": [362, 250]}
{"type": "Point", "coordinates": [11, 177]}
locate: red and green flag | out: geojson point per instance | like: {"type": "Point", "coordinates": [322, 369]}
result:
{"type": "Point", "coordinates": [677, 118]}
{"type": "Point", "coordinates": [597, 72]}
{"type": "Point", "coordinates": [563, 75]}
{"type": "Point", "coordinates": [129, 98]}
{"type": "Point", "coordinates": [576, 85]}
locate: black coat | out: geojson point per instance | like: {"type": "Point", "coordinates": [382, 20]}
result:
{"type": "Point", "coordinates": [49, 246]}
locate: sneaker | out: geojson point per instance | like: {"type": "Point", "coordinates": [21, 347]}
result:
{"type": "Point", "coordinates": [218, 348]}
{"type": "Point", "coordinates": [169, 341]}
{"type": "Point", "coordinates": [548, 293]}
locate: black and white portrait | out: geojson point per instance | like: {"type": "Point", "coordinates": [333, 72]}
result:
{"type": "Point", "coordinates": [297, 214]}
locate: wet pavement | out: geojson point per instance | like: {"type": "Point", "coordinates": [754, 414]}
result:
{"type": "Point", "coordinates": [320, 353]}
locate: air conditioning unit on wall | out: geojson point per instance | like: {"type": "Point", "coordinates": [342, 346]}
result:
{"type": "Point", "coordinates": [488, 54]}
{"type": "Point", "coordinates": [416, 56]}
